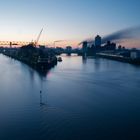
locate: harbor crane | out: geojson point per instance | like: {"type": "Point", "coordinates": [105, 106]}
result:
{"type": "Point", "coordinates": [37, 40]}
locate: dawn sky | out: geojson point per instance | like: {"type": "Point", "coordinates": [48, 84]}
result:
{"type": "Point", "coordinates": [70, 20]}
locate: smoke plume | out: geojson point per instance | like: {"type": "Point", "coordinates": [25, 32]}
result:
{"type": "Point", "coordinates": [125, 34]}
{"type": "Point", "coordinates": [129, 33]}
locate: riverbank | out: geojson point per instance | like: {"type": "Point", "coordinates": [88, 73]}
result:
{"type": "Point", "coordinates": [119, 58]}
{"type": "Point", "coordinates": [34, 57]}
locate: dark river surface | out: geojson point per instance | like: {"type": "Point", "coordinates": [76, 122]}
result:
{"type": "Point", "coordinates": [93, 99]}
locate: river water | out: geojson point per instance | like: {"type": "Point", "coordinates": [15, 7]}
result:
{"type": "Point", "coordinates": [93, 99]}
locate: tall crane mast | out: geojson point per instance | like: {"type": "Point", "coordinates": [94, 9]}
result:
{"type": "Point", "coordinates": [37, 40]}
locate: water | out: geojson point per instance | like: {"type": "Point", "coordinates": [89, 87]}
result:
{"type": "Point", "coordinates": [91, 99]}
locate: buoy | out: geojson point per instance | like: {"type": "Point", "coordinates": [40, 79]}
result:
{"type": "Point", "coordinates": [41, 103]}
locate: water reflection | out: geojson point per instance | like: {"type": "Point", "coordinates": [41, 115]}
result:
{"type": "Point", "coordinates": [84, 99]}
{"type": "Point", "coordinates": [84, 59]}
{"type": "Point", "coordinates": [97, 64]}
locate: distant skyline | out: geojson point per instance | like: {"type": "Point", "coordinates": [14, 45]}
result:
{"type": "Point", "coordinates": [69, 20]}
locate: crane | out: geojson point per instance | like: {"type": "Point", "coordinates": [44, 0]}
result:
{"type": "Point", "coordinates": [36, 42]}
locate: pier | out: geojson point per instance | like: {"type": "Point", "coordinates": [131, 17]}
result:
{"type": "Point", "coordinates": [36, 58]}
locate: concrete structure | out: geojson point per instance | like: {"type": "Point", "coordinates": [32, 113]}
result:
{"type": "Point", "coordinates": [109, 46]}
{"type": "Point", "coordinates": [84, 48]}
{"type": "Point", "coordinates": [98, 41]}
{"type": "Point", "coordinates": [135, 54]}
{"type": "Point", "coordinates": [68, 50]}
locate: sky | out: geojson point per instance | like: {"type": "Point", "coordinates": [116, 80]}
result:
{"type": "Point", "coordinates": [69, 20]}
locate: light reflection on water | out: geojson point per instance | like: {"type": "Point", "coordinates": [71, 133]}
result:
{"type": "Point", "coordinates": [84, 99]}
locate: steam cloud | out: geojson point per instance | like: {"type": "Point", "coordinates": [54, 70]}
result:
{"type": "Point", "coordinates": [129, 33]}
{"type": "Point", "coordinates": [59, 41]}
